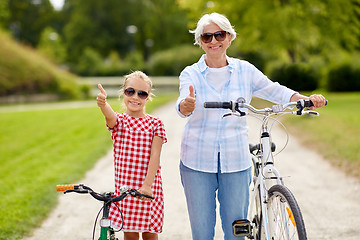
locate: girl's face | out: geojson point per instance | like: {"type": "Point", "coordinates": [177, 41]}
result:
{"type": "Point", "coordinates": [215, 48]}
{"type": "Point", "coordinates": [135, 105]}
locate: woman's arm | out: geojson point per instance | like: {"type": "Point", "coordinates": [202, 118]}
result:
{"type": "Point", "coordinates": [317, 99]}
{"type": "Point", "coordinates": [153, 165]}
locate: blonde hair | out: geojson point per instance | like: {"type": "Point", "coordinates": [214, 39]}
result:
{"type": "Point", "coordinates": [207, 19]}
{"type": "Point", "coordinates": [137, 75]}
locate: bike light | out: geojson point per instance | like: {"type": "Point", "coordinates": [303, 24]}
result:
{"type": "Point", "coordinates": [105, 222]}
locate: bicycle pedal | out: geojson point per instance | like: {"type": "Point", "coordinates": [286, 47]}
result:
{"type": "Point", "coordinates": [241, 228]}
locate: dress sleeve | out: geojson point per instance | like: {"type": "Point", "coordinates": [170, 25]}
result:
{"type": "Point", "coordinates": [116, 128]}
{"type": "Point", "coordinates": [160, 131]}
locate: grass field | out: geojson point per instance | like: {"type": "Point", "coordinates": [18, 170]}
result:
{"type": "Point", "coordinates": [335, 133]}
{"type": "Point", "coordinates": [40, 149]}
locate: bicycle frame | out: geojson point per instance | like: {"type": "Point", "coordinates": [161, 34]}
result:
{"type": "Point", "coordinates": [266, 170]}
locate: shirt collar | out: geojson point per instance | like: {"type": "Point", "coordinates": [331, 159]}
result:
{"type": "Point", "coordinates": [203, 67]}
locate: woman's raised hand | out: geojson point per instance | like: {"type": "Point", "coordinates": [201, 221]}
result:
{"type": "Point", "coordinates": [188, 104]}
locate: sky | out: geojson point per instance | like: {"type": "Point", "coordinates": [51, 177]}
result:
{"type": "Point", "coordinates": [57, 4]}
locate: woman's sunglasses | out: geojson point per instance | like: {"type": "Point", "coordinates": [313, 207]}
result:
{"type": "Point", "coordinates": [219, 36]}
{"type": "Point", "coordinates": [141, 94]}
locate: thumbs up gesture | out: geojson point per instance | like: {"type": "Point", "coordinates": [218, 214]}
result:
{"type": "Point", "coordinates": [101, 97]}
{"type": "Point", "coordinates": [187, 106]}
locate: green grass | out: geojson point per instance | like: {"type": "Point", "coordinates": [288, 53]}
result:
{"type": "Point", "coordinates": [335, 133]}
{"type": "Point", "coordinates": [40, 149]}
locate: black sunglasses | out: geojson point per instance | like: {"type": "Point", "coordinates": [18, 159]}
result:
{"type": "Point", "coordinates": [219, 36]}
{"type": "Point", "coordinates": [141, 94]}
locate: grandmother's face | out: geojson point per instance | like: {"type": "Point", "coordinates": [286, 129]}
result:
{"type": "Point", "coordinates": [216, 46]}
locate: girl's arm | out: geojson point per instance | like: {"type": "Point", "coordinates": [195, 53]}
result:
{"type": "Point", "coordinates": [153, 165]}
{"type": "Point", "coordinates": [110, 116]}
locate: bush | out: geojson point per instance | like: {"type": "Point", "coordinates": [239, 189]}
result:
{"type": "Point", "coordinates": [344, 77]}
{"type": "Point", "coordinates": [298, 76]}
{"type": "Point", "coordinates": [255, 58]}
{"type": "Point", "coordinates": [172, 61]}
{"type": "Point", "coordinates": [24, 72]}
{"type": "Point", "coordinates": [91, 63]}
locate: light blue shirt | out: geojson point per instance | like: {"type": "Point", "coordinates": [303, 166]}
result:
{"type": "Point", "coordinates": [206, 133]}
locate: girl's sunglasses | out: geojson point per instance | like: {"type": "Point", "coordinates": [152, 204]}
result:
{"type": "Point", "coordinates": [219, 36]}
{"type": "Point", "coordinates": [141, 94]}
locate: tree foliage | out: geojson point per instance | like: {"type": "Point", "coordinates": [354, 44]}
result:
{"type": "Point", "coordinates": [291, 30]}
{"type": "Point", "coordinates": [270, 32]}
{"type": "Point", "coordinates": [124, 26]}
{"type": "Point", "coordinates": [28, 18]}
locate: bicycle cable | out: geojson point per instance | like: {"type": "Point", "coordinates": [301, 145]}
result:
{"type": "Point", "coordinates": [276, 120]}
{"type": "Point", "coordinates": [122, 218]}
{"type": "Point", "coordinates": [97, 217]}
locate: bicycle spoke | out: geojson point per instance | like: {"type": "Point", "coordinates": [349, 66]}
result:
{"type": "Point", "coordinates": [282, 225]}
{"type": "Point", "coordinates": [283, 221]}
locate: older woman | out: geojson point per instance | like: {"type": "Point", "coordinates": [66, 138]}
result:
{"type": "Point", "coordinates": [214, 151]}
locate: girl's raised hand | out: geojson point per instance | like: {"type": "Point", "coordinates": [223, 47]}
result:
{"type": "Point", "coordinates": [101, 97]}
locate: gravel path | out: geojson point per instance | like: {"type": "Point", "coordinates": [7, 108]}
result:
{"type": "Point", "coordinates": [329, 200]}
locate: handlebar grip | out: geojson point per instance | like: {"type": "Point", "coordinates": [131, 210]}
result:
{"type": "Point", "coordinates": [309, 103]}
{"type": "Point", "coordinates": [144, 195]}
{"type": "Point", "coordinates": [217, 105]}
{"type": "Point", "coordinates": [62, 188]}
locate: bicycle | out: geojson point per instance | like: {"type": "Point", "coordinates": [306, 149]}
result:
{"type": "Point", "coordinates": [273, 211]}
{"type": "Point", "coordinates": [108, 198]}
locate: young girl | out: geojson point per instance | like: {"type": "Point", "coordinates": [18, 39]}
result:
{"type": "Point", "coordinates": [137, 141]}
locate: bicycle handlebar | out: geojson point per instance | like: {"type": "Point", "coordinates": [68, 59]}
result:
{"type": "Point", "coordinates": [235, 106]}
{"type": "Point", "coordinates": [62, 188]}
{"type": "Point", "coordinates": [80, 188]}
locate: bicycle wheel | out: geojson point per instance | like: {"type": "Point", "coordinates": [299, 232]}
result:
{"type": "Point", "coordinates": [284, 216]}
{"type": "Point", "coordinates": [257, 220]}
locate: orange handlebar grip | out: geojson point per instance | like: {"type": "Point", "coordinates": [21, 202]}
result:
{"type": "Point", "coordinates": [61, 188]}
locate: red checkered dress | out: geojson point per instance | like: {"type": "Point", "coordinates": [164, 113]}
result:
{"type": "Point", "coordinates": [132, 138]}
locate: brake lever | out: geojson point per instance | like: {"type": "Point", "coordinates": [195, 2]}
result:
{"type": "Point", "coordinates": [233, 113]}
{"type": "Point", "coordinates": [69, 191]}
{"type": "Point", "coordinates": [309, 112]}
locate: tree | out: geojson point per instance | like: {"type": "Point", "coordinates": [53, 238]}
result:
{"type": "Point", "coordinates": [28, 18]}
{"type": "Point", "coordinates": [291, 30]}
{"type": "Point", "coordinates": [104, 26]}
{"type": "Point", "coordinates": [4, 12]}
{"type": "Point", "coordinates": [51, 45]}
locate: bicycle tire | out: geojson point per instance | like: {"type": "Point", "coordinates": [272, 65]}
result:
{"type": "Point", "coordinates": [258, 227]}
{"type": "Point", "coordinates": [256, 218]}
{"type": "Point", "coordinates": [284, 213]}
